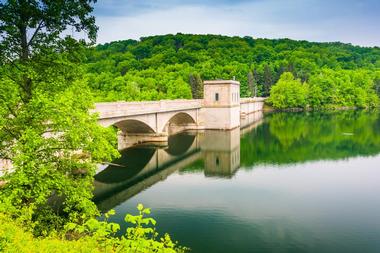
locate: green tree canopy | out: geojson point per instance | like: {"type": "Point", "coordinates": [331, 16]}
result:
{"type": "Point", "coordinates": [288, 92]}
{"type": "Point", "coordinates": [46, 130]}
{"type": "Point", "coordinates": [156, 62]}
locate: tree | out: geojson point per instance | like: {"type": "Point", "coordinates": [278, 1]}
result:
{"type": "Point", "coordinates": [268, 81]}
{"type": "Point", "coordinates": [178, 89]}
{"type": "Point", "coordinates": [222, 57]}
{"type": "Point", "coordinates": [31, 29]}
{"type": "Point", "coordinates": [288, 92]}
{"type": "Point", "coordinates": [252, 84]}
{"type": "Point", "coordinates": [178, 43]}
{"type": "Point", "coordinates": [46, 130]}
{"type": "Point", "coordinates": [196, 85]}
{"type": "Point", "coordinates": [377, 85]}
{"type": "Point", "coordinates": [315, 96]}
{"type": "Point", "coordinates": [280, 70]}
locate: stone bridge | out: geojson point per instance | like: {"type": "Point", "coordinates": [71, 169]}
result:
{"type": "Point", "coordinates": [149, 121]}
{"type": "Point", "coordinates": [153, 121]}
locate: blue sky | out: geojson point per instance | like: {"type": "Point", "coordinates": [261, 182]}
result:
{"type": "Point", "coordinates": [351, 21]}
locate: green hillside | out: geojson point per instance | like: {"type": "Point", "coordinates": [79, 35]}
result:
{"type": "Point", "coordinates": [173, 66]}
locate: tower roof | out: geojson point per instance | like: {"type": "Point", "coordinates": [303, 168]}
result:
{"type": "Point", "coordinates": [219, 82]}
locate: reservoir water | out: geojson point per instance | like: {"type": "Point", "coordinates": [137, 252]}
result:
{"type": "Point", "coordinates": [290, 182]}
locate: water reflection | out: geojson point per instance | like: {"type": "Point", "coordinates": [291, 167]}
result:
{"type": "Point", "coordinates": [292, 182]}
{"type": "Point", "coordinates": [282, 138]}
{"type": "Point", "coordinates": [221, 152]}
{"type": "Point", "coordinates": [286, 138]}
{"type": "Point", "coordinates": [142, 166]}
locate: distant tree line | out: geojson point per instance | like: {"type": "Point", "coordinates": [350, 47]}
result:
{"type": "Point", "coordinates": [173, 66]}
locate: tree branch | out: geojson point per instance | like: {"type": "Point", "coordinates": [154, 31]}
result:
{"type": "Point", "coordinates": [10, 132]}
{"type": "Point", "coordinates": [10, 77]}
{"type": "Point", "coordinates": [12, 62]}
{"type": "Point", "coordinates": [39, 27]}
{"type": "Point", "coordinates": [12, 112]}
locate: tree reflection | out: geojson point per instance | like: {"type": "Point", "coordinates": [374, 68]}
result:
{"type": "Point", "coordinates": [299, 137]}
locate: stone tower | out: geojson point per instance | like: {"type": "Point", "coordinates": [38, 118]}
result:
{"type": "Point", "coordinates": [221, 105]}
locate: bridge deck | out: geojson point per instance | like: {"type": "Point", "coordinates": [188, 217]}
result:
{"type": "Point", "coordinates": [123, 109]}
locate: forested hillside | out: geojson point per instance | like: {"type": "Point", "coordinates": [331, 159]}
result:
{"type": "Point", "coordinates": [173, 66]}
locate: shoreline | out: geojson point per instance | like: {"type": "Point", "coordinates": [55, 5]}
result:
{"type": "Point", "coordinates": [268, 108]}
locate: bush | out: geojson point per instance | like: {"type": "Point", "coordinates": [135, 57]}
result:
{"type": "Point", "coordinates": [91, 236]}
{"type": "Point", "coordinates": [326, 89]}
{"type": "Point", "coordinates": [288, 92]}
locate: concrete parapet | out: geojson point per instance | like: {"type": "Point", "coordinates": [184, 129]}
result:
{"type": "Point", "coordinates": [251, 105]}
{"type": "Point", "coordinates": [123, 109]}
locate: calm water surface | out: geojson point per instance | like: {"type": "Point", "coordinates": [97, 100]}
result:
{"type": "Point", "coordinates": [291, 182]}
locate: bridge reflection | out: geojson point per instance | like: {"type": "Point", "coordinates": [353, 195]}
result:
{"type": "Point", "coordinates": [142, 166]}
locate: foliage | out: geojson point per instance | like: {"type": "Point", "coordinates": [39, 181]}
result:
{"type": "Point", "coordinates": [55, 146]}
{"type": "Point", "coordinates": [141, 237]}
{"type": "Point", "coordinates": [92, 236]}
{"type": "Point", "coordinates": [288, 92]}
{"type": "Point", "coordinates": [52, 140]}
{"type": "Point", "coordinates": [149, 67]}
{"type": "Point", "coordinates": [196, 85]}
{"type": "Point", "coordinates": [31, 31]}
{"type": "Point", "coordinates": [328, 89]}
{"type": "Point", "coordinates": [252, 84]}
{"type": "Point", "coordinates": [45, 126]}
{"type": "Point", "coordinates": [343, 88]}
{"type": "Point", "coordinates": [13, 238]}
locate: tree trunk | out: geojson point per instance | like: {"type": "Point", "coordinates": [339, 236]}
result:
{"type": "Point", "coordinates": [24, 57]}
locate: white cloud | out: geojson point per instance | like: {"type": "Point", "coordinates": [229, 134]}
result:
{"type": "Point", "coordinates": [187, 19]}
{"type": "Point", "coordinates": [257, 19]}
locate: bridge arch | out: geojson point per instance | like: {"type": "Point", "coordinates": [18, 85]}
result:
{"type": "Point", "coordinates": [133, 126]}
{"type": "Point", "coordinates": [179, 121]}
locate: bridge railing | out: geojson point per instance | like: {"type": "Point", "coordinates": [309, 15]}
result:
{"type": "Point", "coordinates": [250, 105]}
{"type": "Point", "coordinates": [117, 109]}
{"type": "Point", "coordinates": [252, 100]}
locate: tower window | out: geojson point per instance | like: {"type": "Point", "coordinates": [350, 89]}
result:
{"type": "Point", "coordinates": [216, 96]}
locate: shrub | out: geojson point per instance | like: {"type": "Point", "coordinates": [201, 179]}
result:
{"type": "Point", "coordinates": [288, 92]}
{"type": "Point", "coordinates": [91, 236]}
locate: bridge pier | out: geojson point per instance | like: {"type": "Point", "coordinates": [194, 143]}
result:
{"type": "Point", "coordinates": [126, 140]}
{"type": "Point", "coordinates": [177, 128]}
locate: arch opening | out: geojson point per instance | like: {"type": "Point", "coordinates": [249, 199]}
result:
{"type": "Point", "coordinates": [132, 132]}
{"type": "Point", "coordinates": [179, 122]}
{"type": "Point", "coordinates": [132, 126]}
